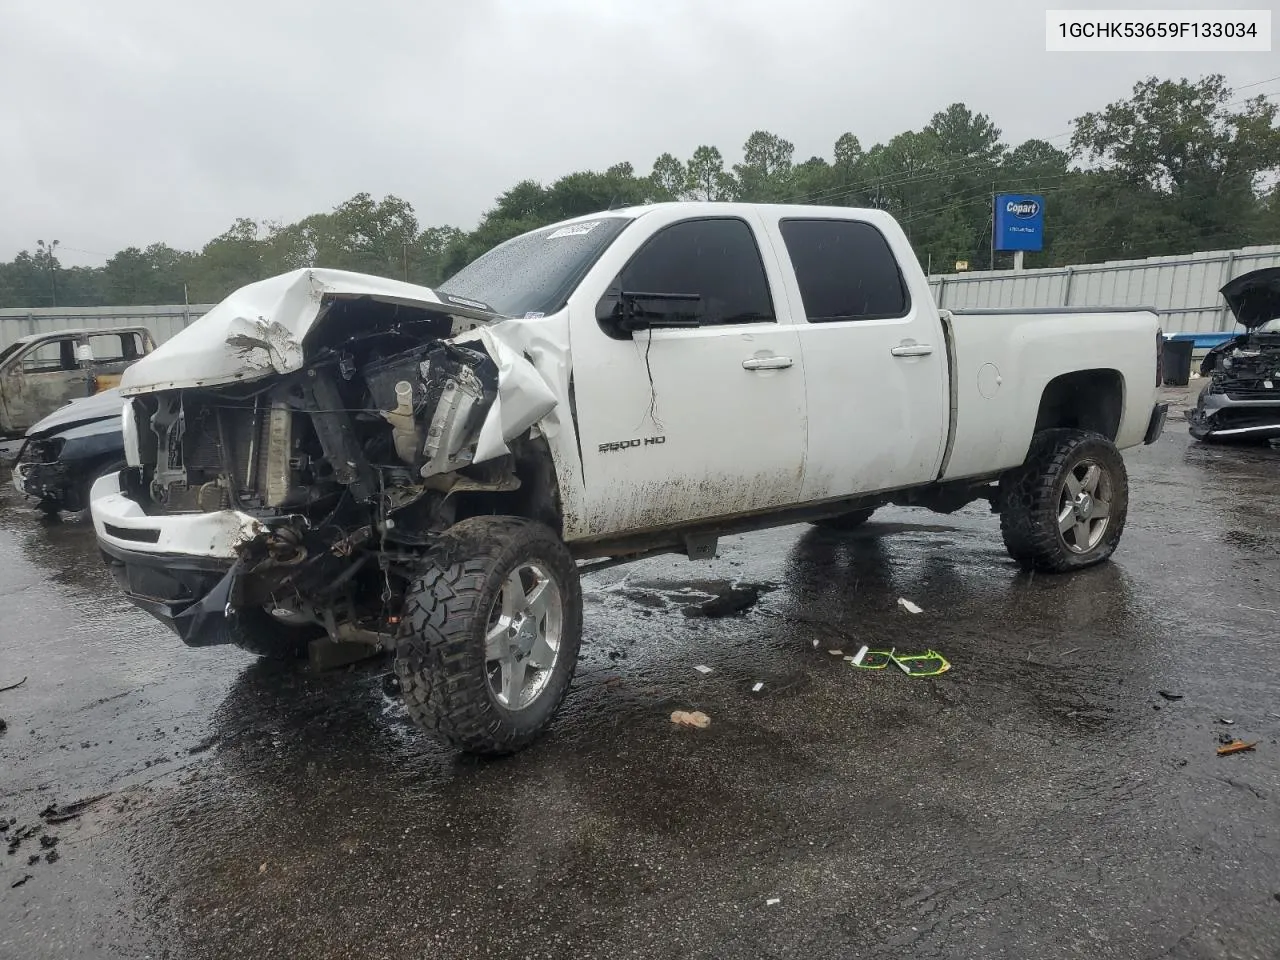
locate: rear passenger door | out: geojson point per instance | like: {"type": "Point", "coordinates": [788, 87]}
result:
{"type": "Point", "coordinates": [112, 353]}
{"type": "Point", "coordinates": [875, 360]}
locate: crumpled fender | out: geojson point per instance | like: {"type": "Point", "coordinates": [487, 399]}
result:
{"type": "Point", "coordinates": [524, 396]}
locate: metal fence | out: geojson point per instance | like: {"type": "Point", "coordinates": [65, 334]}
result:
{"type": "Point", "coordinates": [1183, 289]}
{"type": "Point", "coordinates": [162, 321]}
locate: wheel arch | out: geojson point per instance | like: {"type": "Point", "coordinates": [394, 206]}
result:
{"type": "Point", "coordinates": [1090, 400]}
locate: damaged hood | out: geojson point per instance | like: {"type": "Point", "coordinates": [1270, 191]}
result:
{"type": "Point", "coordinates": [1254, 297]}
{"type": "Point", "coordinates": [101, 406]}
{"type": "Point", "coordinates": [258, 331]}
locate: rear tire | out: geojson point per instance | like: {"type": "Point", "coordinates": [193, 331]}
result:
{"type": "Point", "coordinates": [845, 521]}
{"type": "Point", "coordinates": [489, 635]}
{"type": "Point", "coordinates": [1065, 507]}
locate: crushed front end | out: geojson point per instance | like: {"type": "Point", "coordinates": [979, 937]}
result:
{"type": "Point", "coordinates": [1242, 399]}
{"type": "Point", "coordinates": [310, 493]}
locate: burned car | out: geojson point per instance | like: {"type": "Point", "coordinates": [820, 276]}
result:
{"type": "Point", "coordinates": [68, 450]}
{"type": "Point", "coordinates": [1242, 399]}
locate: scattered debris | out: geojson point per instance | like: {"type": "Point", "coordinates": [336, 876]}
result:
{"type": "Point", "coordinates": [22, 833]}
{"type": "Point", "coordinates": [815, 644]}
{"type": "Point", "coordinates": [33, 860]}
{"type": "Point", "coordinates": [48, 842]}
{"type": "Point", "coordinates": [873, 659]}
{"type": "Point", "coordinates": [1226, 721]}
{"type": "Point", "coordinates": [703, 669]}
{"type": "Point", "coordinates": [263, 868]}
{"type": "Point", "coordinates": [685, 718]}
{"type": "Point", "coordinates": [1225, 738]}
{"type": "Point", "coordinates": [1236, 746]}
{"type": "Point", "coordinates": [927, 664]}
{"type": "Point", "coordinates": [4, 725]}
{"type": "Point", "coordinates": [14, 686]}
{"type": "Point", "coordinates": [908, 606]}
{"type": "Point", "coordinates": [1169, 696]}
{"type": "Point", "coordinates": [836, 653]}
{"type": "Point", "coordinates": [862, 652]}
{"type": "Point", "coordinates": [758, 687]}
{"type": "Point", "coordinates": [772, 901]}
{"type": "Point", "coordinates": [51, 856]}
{"type": "Point", "coordinates": [18, 883]}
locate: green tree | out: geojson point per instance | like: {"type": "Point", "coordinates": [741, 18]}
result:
{"type": "Point", "coordinates": [706, 177]}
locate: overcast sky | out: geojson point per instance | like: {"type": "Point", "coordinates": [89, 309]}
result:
{"type": "Point", "coordinates": [131, 121]}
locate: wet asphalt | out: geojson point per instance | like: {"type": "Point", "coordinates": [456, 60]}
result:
{"type": "Point", "coordinates": [1042, 799]}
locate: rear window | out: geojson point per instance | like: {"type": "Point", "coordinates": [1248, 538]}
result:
{"type": "Point", "coordinates": [536, 272]}
{"type": "Point", "coordinates": [845, 269]}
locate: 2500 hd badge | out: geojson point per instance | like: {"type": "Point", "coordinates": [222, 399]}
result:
{"type": "Point", "coordinates": [624, 444]}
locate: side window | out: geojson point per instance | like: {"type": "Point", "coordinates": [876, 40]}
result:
{"type": "Point", "coordinates": [845, 269]}
{"type": "Point", "coordinates": [716, 259]}
{"type": "Point", "coordinates": [50, 357]}
{"type": "Point", "coordinates": [111, 347]}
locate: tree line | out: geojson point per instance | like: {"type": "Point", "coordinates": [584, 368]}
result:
{"type": "Point", "coordinates": [1177, 166]}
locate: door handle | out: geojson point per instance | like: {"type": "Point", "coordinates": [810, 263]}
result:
{"type": "Point", "coordinates": [912, 350]}
{"type": "Point", "coordinates": [766, 363]}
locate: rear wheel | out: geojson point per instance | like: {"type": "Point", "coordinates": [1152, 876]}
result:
{"type": "Point", "coordinates": [1065, 508]}
{"type": "Point", "coordinates": [846, 521]}
{"type": "Point", "coordinates": [490, 633]}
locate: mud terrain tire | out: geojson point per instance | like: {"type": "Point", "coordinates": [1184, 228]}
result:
{"type": "Point", "coordinates": [462, 607]}
{"type": "Point", "coordinates": [845, 521]}
{"type": "Point", "coordinates": [1035, 502]}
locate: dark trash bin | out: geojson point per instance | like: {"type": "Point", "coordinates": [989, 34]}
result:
{"type": "Point", "coordinates": [1177, 362]}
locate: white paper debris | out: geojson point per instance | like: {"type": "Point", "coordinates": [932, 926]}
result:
{"type": "Point", "coordinates": [857, 657]}
{"type": "Point", "coordinates": [772, 901]}
{"type": "Point", "coordinates": [908, 606]}
{"type": "Point", "coordinates": [702, 668]}
{"type": "Point", "coordinates": [757, 688]}
{"type": "Point", "coordinates": [836, 653]}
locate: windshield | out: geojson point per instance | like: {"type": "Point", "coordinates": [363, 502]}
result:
{"type": "Point", "coordinates": [534, 273]}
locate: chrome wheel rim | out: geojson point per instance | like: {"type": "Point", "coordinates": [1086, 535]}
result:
{"type": "Point", "coordinates": [1084, 507]}
{"type": "Point", "coordinates": [522, 637]}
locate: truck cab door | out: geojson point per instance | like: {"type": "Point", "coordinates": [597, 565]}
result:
{"type": "Point", "coordinates": [112, 353]}
{"type": "Point", "coordinates": [46, 375]}
{"type": "Point", "coordinates": [874, 351]}
{"type": "Point", "coordinates": [695, 423]}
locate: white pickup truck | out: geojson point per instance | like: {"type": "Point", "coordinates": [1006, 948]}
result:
{"type": "Point", "coordinates": [328, 459]}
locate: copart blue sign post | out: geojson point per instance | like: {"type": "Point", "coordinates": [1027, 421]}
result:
{"type": "Point", "coordinates": [1018, 222]}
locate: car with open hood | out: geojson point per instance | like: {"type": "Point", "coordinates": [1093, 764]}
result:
{"type": "Point", "coordinates": [1242, 399]}
{"type": "Point", "coordinates": [329, 459]}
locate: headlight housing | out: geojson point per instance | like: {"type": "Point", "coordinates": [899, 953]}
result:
{"type": "Point", "coordinates": [129, 424]}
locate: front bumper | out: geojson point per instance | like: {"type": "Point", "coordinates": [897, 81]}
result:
{"type": "Point", "coordinates": [122, 524]}
{"type": "Point", "coordinates": [189, 595]}
{"type": "Point", "coordinates": [44, 481]}
{"type": "Point", "coordinates": [1217, 416]}
{"type": "Point", "coordinates": [182, 569]}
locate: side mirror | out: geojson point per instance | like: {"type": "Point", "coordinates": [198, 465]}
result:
{"type": "Point", "coordinates": [632, 311]}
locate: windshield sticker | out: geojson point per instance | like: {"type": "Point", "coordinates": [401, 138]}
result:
{"type": "Point", "coordinates": [574, 230]}
{"type": "Point", "coordinates": [534, 315]}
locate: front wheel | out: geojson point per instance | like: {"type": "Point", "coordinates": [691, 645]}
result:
{"type": "Point", "coordinates": [489, 635]}
{"type": "Point", "coordinates": [1065, 507]}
